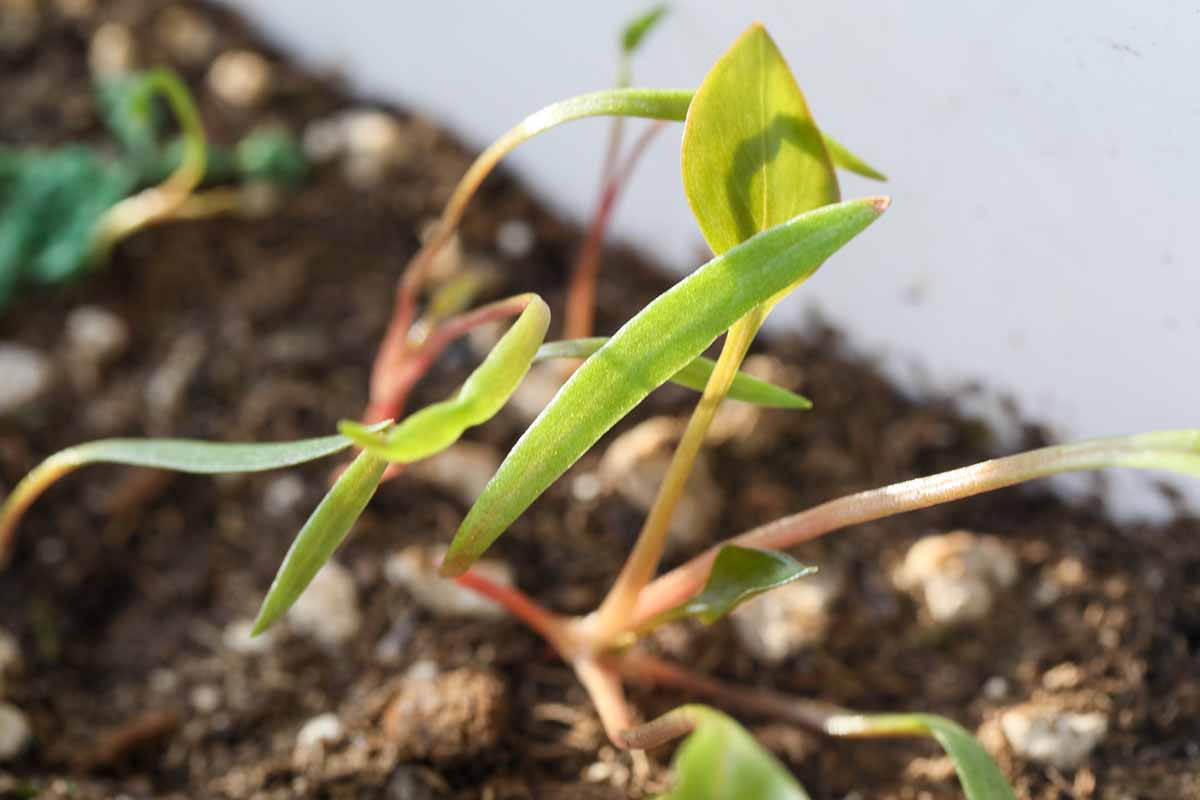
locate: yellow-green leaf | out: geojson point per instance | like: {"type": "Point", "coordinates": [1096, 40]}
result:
{"type": "Point", "coordinates": [719, 760]}
{"type": "Point", "coordinates": [738, 574]}
{"type": "Point", "coordinates": [483, 394]}
{"type": "Point", "coordinates": [645, 353]}
{"type": "Point", "coordinates": [746, 388]}
{"type": "Point", "coordinates": [320, 536]}
{"type": "Point", "coordinates": [752, 156]}
{"type": "Point", "coordinates": [981, 779]}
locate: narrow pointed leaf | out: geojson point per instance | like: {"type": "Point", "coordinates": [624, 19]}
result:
{"type": "Point", "coordinates": [486, 390]}
{"type": "Point", "coordinates": [752, 155]}
{"type": "Point", "coordinates": [179, 455]}
{"type": "Point", "coordinates": [844, 159]}
{"type": "Point", "coordinates": [981, 779]}
{"type": "Point", "coordinates": [738, 574]}
{"type": "Point", "coordinates": [646, 352]}
{"type": "Point", "coordinates": [745, 388]}
{"type": "Point", "coordinates": [720, 760]}
{"type": "Point", "coordinates": [638, 28]}
{"type": "Point", "coordinates": [320, 536]}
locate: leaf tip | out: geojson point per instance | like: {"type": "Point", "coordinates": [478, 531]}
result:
{"type": "Point", "coordinates": [880, 204]}
{"type": "Point", "coordinates": [267, 616]}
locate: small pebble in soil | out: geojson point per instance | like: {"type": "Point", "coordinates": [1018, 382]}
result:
{"type": "Point", "coordinates": [27, 374]}
{"type": "Point", "coordinates": [328, 609]}
{"type": "Point", "coordinates": [96, 334]}
{"type": "Point", "coordinates": [996, 688]}
{"type": "Point", "coordinates": [1047, 735]}
{"type": "Point", "coordinates": [15, 733]}
{"type": "Point", "coordinates": [450, 716]}
{"type": "Point", "coordinates": [205, 698]}
{"type": "Point", "coordinates": [462, 470]}
{"type": "Point", "coordinates": [635, 464]}
{"type": "Point", "coordinates": [240, 78]}
{"type": "Point", "coordinates": [237, 639]}
{"type": "Point", "coordinates": [748, 429]}
{"type": "Point", "coordinates": [536, 390]}
{"type": "Point", "coordinates": [20, 23]}
{"type": "Point", "coordinates": [374, 142]}
{"type": "Point", "coordinates": [283, 495]}
{"type": "Point", "coordinates": [112, 50]}
{"type": "Point", "coordinates": [783, 622]}
{"type": "Point", "coordinates": [957, 575]}
{"type": "Point", "coordinates": [186, 34]}
{"type": "Point", "coordinates": [415, 569]}
{"type": "Point", "coordinates": [514, 238]}
{"type": "Point", "coordinates": [317, 733]}
{"type": "Point", "coordinates": [94, 338]}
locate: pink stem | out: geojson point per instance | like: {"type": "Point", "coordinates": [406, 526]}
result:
{"type": "Point", "coordinates": [550, 626]}
{"type": "Point", "coordinates": [683, 582]}
{"type": "Point", "coordinates": [581, 306]}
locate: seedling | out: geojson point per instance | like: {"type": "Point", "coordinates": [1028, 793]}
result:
{"type": "Point", "coordinates": [64, 210]}
{"type": "Point", "coordinates": [759, 176]}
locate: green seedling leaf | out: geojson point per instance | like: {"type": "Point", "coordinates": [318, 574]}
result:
{"type": "Point", "coordinates": [320, 536]}
{"type": "Point", "coordinates": [646, 352]}
{"type": "Point", "coordinates": [178, 455]}
{"type": "Point", "coordinates": [745, 387]}
{"type": "Point", "coordinates": [720, 760]}
{"type": "Point", "coordinates": [738, 574]}
{"type": "Point", "coordinates": [638, 28]}
{"type": "Point", "coordinates": [752, 156]}
{"type": "Point", "coordinates": [981, 779]}
{"type": "Point", "coordinates": [844, 159]}
{"type": "Point", "coordinates": [436, 427]}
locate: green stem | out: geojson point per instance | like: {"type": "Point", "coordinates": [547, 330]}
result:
{"type": "Point", "coordinates": [158, 202]}
{"type": "Point", "coordinates": [614, 614]}
{"type": "Point", "coordinates": [1177, 451]}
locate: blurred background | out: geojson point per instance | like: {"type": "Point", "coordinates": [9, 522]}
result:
{"type": "Point", "coordinates": [1041, 244]}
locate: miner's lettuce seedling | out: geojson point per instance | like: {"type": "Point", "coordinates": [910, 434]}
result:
{"type": "Point", "coordinates": [759, 176]}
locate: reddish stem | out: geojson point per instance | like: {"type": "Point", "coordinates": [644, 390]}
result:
{"type": "Point", "coordinates": [581, 305]}
{"type": "Point", "coordinates": [810, 714]}
{"type": "Point", "coordinates": [551, 626]}
{"type": "Point", "coordinates": [393, 380]}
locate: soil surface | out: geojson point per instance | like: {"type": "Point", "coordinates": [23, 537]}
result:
{"type": "Point", "coordinates": [128, 589]}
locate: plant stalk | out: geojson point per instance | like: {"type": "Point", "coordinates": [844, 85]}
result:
{"type": "Point", "coordinates": [614, 615]}
{"type": "Point", "coordinates": [159, 202]}
{"type": "Point", "coordinates": [1177, 451]}
{"type": "Point", "coordinates": [666, 104]}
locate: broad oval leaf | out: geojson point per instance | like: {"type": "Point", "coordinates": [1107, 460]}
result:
{"type": "Point", "coordinates": [745, 388]}
{"type": "Point", "coordinates": [653, 346]}
{"type": "Point", "coordinates": [483, 394]}
{"type": "Point", "coordinates": [325, 529]}
{"type": "Point", "coordinates": [752, 156]}
{"type": "Point", "coordinates": [981, 779]}
{"type": "Point", "coordinates": [178, 455]}
{"type": "Point", "coordinates": [738, 574]}
{"type": "Point", "coordinates": [720, 760]}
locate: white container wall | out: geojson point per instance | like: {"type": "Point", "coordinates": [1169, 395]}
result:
{"type": "Point", "coordinates": [1042, 239]}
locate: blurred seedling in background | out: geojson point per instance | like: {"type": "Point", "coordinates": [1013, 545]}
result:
{"type": "Point", "coordinates": [63, 210]}
{"type": "Point", "coordinates": [759, 176]}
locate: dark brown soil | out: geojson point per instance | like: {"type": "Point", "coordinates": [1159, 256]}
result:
{"type": "Point", "coordinates": [122, 584]}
